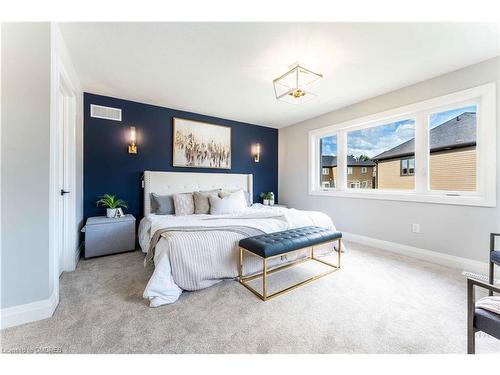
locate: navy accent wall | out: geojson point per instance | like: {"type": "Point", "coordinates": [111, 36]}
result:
{"type": "Point", "coordinates": [109, 168]}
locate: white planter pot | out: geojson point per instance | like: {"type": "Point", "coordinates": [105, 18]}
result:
{"type": "Point", "coordinates": [111, 212]}
{"type": "Point", "coordinates": [271, 202]}
{"type": "Point", "coordinates": [266, 202]}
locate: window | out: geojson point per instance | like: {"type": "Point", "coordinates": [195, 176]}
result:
{"type": "Point", "coordinates": [384, 146]}
{"type": "Point", "coordinates": [408, 167]}
{"type": "Point", "coordinates": [328, 163]}
{"type": "Point", "coordinates": [437, 151]}
{"type": "Point", "coordinates": [452, 149]}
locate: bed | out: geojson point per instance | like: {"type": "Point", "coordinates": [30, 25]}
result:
{"type": "Point", "coordinates": [194, 252]}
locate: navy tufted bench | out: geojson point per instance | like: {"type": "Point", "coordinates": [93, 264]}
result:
{"type": "Point", "coordinates": [272, 245]}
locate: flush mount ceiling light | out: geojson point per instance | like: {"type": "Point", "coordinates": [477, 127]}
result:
{"type": "Point", "coordinates": [294, 86]}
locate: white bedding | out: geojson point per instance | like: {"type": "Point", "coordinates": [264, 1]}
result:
{"type": "Point", "coordinates": [193, 260]}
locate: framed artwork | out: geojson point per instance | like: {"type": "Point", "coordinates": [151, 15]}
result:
{"type": "Point", "coordinates": [201, 145]}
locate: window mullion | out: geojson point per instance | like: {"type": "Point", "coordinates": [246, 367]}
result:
{"type": "Point", "coordinates": [421, 153]}
{"type": "Point", "coordinates": [342, 160]}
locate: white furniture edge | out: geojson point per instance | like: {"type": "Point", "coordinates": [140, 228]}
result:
{"type": "Point", "coordinates": [452, 261]}
{"type": "Point", "coordinates": [29, 312]}
{"type": "Point", "coordinates": [167, 183]}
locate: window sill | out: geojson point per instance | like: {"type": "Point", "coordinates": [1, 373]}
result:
{"type": "Point", "coordinates": [409, 196]}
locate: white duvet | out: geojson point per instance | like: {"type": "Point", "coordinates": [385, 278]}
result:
{"type": "Point", "coordinates": [193, 260]}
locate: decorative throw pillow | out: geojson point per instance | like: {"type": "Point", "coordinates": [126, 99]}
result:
{"type": "Point", "coordinates": [184, 204]}
{"type": "Point", "coordinates": [489, 303]}
{"type": "Point", "coordinates": [231, 204]}
{"type": "Point", "coordinates": [201, 202]}
{"type": "Point", "coordinates": [162, 204]}
{"type": "Point", "coordinates": [226, 193]}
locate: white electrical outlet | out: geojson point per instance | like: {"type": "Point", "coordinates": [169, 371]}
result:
{"type": "Point", "coordinates": [415, 228]}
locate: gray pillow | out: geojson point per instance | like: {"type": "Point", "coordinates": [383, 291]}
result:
{"type": "Point", "coordinates": [162, 204]}
{"type": "Point", "coordinates": [201, 202]}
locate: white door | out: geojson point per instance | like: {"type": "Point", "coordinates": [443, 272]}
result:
{"type": "Point", "coordinates": [61, 180]}
{"type": "Point", "coordinates": [65, 118]}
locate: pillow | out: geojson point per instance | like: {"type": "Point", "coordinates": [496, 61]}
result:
{"type": "Point", "coordinates": [201, 202]}
{"type": "Point", "coordinates": [229, 205]}
{"type": "Point", "coordinates": [184, 204]}
{"type": "Point", "coordinates": [162, 204]}
{"type": "Point", "coordinates": [226, 193]}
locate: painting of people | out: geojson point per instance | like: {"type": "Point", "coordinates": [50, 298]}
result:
{"type": "Point", "coordinates": [201, 145]}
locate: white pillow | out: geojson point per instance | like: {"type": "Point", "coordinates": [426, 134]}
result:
{"type": "Point", "coordinates": [225, 193]}
{"type": "Point", "coordinates": [231, 204]}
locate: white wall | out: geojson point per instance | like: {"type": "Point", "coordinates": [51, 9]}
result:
{"type": "Point", "coordinates": [25, 157]}
{"type": "Point", "coordinates": [455, 230]}
{"type": "Point", "coordinates": [33, 55]}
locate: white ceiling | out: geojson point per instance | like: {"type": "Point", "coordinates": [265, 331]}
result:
{"type": "Point", "coordinates": [226, 69]}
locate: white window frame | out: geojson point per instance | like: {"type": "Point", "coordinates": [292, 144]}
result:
{"type": "Point", "coordinates": [327, 171]}
{"type": "Point", "coordinates": [364, 170]}
{"type": "Point", "coordinates": [349, 170]}
{"type": "Point", "coordinates": [484, 97]}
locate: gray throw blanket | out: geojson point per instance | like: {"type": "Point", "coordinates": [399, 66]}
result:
{"type": "Point", "coordinates": [240, 229]}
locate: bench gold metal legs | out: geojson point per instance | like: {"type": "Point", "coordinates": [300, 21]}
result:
{"type": "Point", "coordinates": [265, 271]}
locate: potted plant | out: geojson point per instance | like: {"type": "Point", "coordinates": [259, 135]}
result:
{"type": "Point", "coordinates": [267, 198]}
{"type": "Point", "coordinates": [112, 205]}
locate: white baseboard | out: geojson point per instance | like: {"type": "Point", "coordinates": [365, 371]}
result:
{"type": "Point", "coordinates": [459, 263]}
{"type": "Point", "coordinates": [78, 253]}
{"type": "Point", "coordinates": [29, 312]}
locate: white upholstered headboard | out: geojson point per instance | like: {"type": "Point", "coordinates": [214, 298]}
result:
{"type": "Point", "coordinates": [166, 183]}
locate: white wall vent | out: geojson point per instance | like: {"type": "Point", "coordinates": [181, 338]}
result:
{"type": "Point", "coordinates": [108, 113]}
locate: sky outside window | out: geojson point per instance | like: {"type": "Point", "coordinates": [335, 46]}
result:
{"type": "Point", "coordinates": [375, 140]}
{"type": "Point", "coordinates": [329, 145]}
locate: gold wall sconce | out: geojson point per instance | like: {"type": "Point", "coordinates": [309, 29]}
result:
{"type": "Point", "coordinates": [256, 152]}
{"type": "Point", "coordinates": [132, 147]}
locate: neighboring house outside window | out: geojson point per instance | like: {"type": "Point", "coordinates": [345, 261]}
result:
{"type": "Point", "coordinates": [354, 185]}
{"type": "Point", "coordinates": [357, 171]}
{"type": "Point", "coordinates": [452, 159]}
{"type": "Point", "coordinates": [328, 172]}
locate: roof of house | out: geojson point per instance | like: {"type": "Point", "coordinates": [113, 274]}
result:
{"type": "Point", "coordinates": [331, 161]}
{"type": "Point", "coordinates": [458, 132]}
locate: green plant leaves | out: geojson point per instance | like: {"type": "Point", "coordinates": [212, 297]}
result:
{"type": "Point", "coordinates": [110, 201]}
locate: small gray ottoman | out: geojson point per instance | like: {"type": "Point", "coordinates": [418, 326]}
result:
{"type": "Point", "coordinates": [105, 236]}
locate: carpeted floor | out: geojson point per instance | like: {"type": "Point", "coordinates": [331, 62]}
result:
{"type": "Point", "coordinates": [378, 303]}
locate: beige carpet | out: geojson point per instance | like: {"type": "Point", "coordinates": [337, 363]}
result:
{"type": "Point", "coordinates": [378, 303]}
